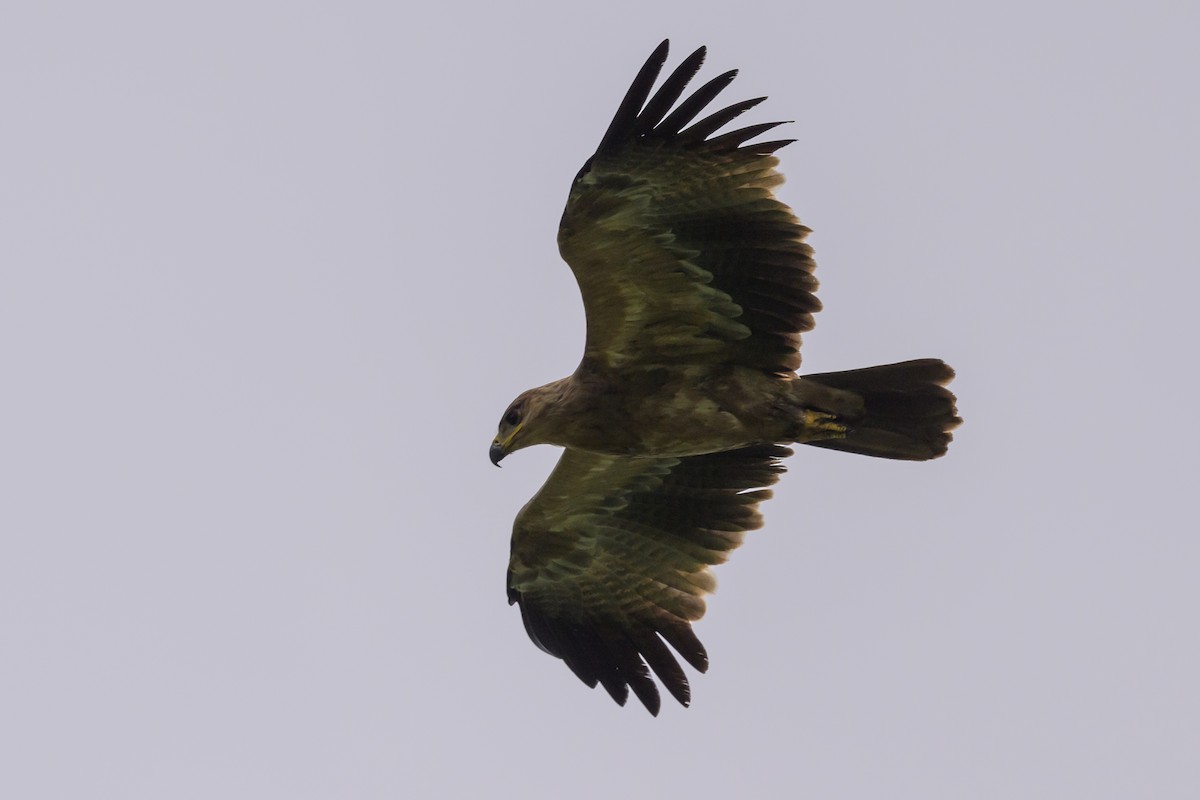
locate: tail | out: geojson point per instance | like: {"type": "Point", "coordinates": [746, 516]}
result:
{"type": "Point", "coordinates": [907, 411]}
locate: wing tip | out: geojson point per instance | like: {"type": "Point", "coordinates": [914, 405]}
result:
{"type": "Point", "coordinates": [659, 54]}
{"type": "Point", "coordinates": [642, 114]}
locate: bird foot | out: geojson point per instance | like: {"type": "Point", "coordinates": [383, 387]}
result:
{"type": "Point", "coordinates": [817, 425]}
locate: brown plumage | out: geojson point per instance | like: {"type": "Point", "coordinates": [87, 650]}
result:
{"type": "Point", "coordinates": [697, 284]}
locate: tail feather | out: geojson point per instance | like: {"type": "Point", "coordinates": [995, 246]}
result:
{"type": "Point", "coordinates": [908, 412]}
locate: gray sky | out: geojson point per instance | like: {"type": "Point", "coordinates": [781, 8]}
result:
{"type": "Point", "coordinates": [272, 271]}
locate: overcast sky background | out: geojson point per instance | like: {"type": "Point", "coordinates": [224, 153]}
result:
{"type": "Point", "coordinates": [270, 273]}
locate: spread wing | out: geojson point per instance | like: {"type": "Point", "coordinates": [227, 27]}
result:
{"type": "Point", "coordinates": [681, 251]}
{"type": "Point", "coordinates": [610, 559]}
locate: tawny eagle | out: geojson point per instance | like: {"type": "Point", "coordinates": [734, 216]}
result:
{"type": "Point", "coordinates": [696, 283]}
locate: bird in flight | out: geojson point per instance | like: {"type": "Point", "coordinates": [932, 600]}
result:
{"type": "Point", "coordinates": [697, 284]}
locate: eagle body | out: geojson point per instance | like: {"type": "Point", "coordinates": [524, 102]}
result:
{"type": "Point", "coordinates": [684, 410]}
{"type": "Point", "coordinates": [697, 283]}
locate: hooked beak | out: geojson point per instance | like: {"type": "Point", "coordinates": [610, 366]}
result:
{"type": "Point", "coordinates": [497, 452]}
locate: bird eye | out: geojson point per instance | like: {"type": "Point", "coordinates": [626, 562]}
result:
{"type": "Point", "coordinates": [513, 416]}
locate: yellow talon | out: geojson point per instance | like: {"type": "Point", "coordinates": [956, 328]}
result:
{"type": "Point", "coordinates": [819, 425]}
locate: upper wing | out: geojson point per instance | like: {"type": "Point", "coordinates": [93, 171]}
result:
{"type": "Point", "coordinates": [613, 553]}
{"type": "Point", "coordinates": [680, 249]}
